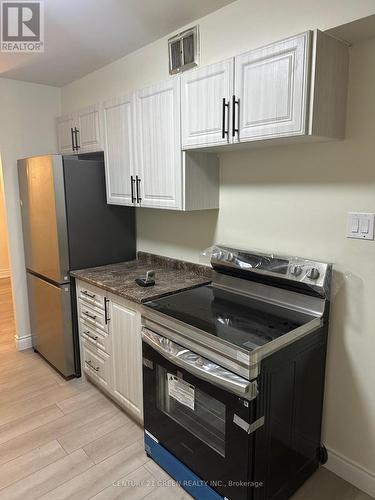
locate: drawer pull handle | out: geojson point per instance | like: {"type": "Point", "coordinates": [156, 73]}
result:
{"type": "Point", "coordinates": [89, 363]}
{"type": "Point", "coordinates": [91, 295]}
{"type": "Point", "coordinates": [91, 336]}
{"type": "Point", "coordinates": [91, 316]}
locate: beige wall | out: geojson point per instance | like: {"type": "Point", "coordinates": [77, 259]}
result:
{"type": "Point", "coordinates": [240, 26]}
{"type": "Point", "coordinates": [27, 128]}
{"type": "Point", "coordinates": [294, 199]}
{"type": "Point", "coordinates": [4, 257]}
{"type": "Point", "coordinates": [291, 199]}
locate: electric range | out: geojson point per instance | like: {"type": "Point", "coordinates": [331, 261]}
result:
{"type": "Point", "coordinates": [225, 363]}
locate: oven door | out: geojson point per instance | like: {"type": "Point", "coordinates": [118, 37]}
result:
{"type": "Point", "coordinates": [203, 424]}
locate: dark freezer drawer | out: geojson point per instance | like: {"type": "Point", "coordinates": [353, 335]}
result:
{"type": "Point", "coordinates": [51, 323]}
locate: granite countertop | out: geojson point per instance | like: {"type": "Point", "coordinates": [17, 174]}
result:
{"type": "Point", "coordinates": [171, 276]}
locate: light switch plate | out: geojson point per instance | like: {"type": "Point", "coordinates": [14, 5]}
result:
{"type": "Point", "coordinates": [360, 225]}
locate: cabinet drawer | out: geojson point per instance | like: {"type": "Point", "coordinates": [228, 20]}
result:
{"type": "Point", "coordinates": [89, 295]}
{"type": "Point", "coordinates": [95, 337]}
{"type": "Point", "coordinates": [92, 317]}
{"type": "Point", "coordinates": [96, 365]}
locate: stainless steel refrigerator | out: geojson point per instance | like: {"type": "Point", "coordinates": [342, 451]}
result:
{"type": "Point", "coordinates": [67, 225]}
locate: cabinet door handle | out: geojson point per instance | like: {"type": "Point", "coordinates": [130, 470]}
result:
{"type": "Point", "coordinates": [138, 186]}
{"type": "Point", "coordinates": [72, 136]}
{"type": "Point", "coordinates": [106, 318]}
{"type": "Point", "coordinates": [132, 181]}
{"type": "Point", "coordinates": [92, 316]}
{"type": "Point", "coordinates": [76, 132]}
{"type": "Point", "coordinates": [91, 295]}
{"type": "Point", "coordinates": [234, 103]}
{"type": "Point", "coordinates": [223, 131]}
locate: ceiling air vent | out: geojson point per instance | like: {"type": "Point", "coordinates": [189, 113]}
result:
{"type": "Point", "coordinates": [183, 50]}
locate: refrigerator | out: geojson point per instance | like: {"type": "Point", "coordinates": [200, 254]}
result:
{"type": "Point", "coordinates": [67, 225]}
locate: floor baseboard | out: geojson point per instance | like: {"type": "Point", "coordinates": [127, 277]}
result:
{"type": "Point", "coordinates": [23, 343]}
{"type": "Point", "coordinates": [351, 471]}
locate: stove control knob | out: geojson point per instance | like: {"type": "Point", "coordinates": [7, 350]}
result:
{"type": "Point", "coordinates": [313, 274]}
{"type": "Point", "coordinates": [229, 257]}
{"type": "Point", "coordinates": [296, 270]}
{"type": "Point", "coordinates": [219, 255]}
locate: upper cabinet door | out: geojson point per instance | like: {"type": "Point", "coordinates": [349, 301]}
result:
{"type": "Point", "coordinates": [206, 105]}
{"type": "Point", "coordinates": [271, 84]}
{"type": "Point", "coordinates": [118, 138]}
{"type": "Point", "coordinates": [89, 136]}
{"type": "Point", "coordinates": [65, 134]}
{"type": "Point", "coordinates": [159, 158]}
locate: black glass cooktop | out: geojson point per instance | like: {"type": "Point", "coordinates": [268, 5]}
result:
{"type": "Point", "coordinates": [240, 320]}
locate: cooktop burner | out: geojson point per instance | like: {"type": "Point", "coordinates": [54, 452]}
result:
{"type": "Point", "coordinates": [245, 322]}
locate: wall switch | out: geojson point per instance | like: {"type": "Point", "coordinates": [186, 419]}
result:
{"type": "Point", "coordinates": [360, 225]}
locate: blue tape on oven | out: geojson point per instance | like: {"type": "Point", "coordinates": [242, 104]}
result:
{"type": "Point", "coordinates": [180, 473]}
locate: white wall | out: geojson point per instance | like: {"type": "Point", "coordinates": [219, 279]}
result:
{"type": "Point", "coordinates": [4, 257]}
{"type": "Point", "coordinates": [27, 128]}
{"type": "Point", "coordinates": [291, 199]}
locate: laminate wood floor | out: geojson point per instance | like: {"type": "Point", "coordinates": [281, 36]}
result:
{"type": "Point", "coordinates": [65, 440]}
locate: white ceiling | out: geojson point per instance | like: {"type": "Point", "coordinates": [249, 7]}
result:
{"type": "Point", "coordinates": [84, 35]}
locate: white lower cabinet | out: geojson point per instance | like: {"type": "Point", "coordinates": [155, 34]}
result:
{"type": "Point", "coordinates": [111, 350]}
{"type": "Point", "coordinates": [127, 356]}
{"type": "Point", "coordinates": [97, 365]}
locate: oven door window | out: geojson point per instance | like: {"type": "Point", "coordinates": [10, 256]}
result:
{"type": "Point", "coordinates": [198, 412]}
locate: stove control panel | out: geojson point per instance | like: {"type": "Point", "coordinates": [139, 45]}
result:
{"type": "Point", "coordinates": [307, 271]}
{"type": "Point", "coordinates": [291, 268]}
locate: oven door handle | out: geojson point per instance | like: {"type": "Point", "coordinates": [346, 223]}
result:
{"type": "Point", "coordinates": [200, 367]}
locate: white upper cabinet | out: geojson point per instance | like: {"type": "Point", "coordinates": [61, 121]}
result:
{"type": "Point", "coordinates": [65, 134]}
{"type": "Point", "coordinates": [80, 132]}
{"type": "Point", "coordinates": [89, 133]}
{"type": "Point", "coordinates": [118, 140]}
{"type": "Point", "coordinates": [271, 87]}
{"type": "Point", "coordinates": [206, 95]}
{"type": "Point", "coordinates": [291, 89]}
{"type": "Point", "coordinates": [153, 140]}
{"type": "Point", "coordinates": [159, 163]}
{"type": "Point", "coordinates": [143, 160]}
